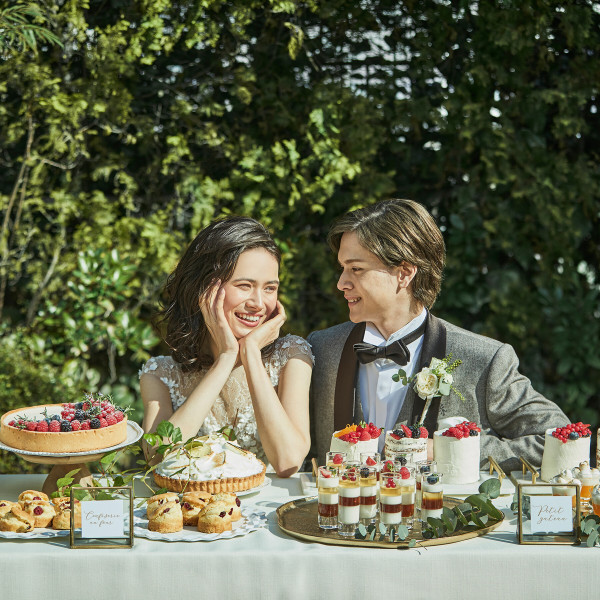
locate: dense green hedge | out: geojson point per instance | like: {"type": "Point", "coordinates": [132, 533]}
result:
{"type": "Point", "coordinates": [156, 116]}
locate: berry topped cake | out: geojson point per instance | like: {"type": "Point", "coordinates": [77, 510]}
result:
{"type": "Point", "coordinates": [355, 440]}
{"type": "Point", "coordinates": [456, 450]}
{"type": "Point", "coordinates": [564, 448]}
{"type": "Point", "coordinates": [93, 424]}
{"type": "Point", "coordinates": [407, 438]}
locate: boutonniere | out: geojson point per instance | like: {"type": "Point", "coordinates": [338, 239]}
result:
{"type": "Point", "coordinates": [432, 381]}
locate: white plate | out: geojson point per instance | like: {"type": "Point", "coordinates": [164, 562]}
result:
{"type": "Point", "coordinates": [39, 532]}
{"type": "Point", "coordinates": [255, 490]}
{"type": "Point", "coordinates": [249, 522]}
{"type": "Point", "coordinates": [134, 433]}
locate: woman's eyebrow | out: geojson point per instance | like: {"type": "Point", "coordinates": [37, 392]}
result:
{"type": "Point", "coordinates": [273, 281]}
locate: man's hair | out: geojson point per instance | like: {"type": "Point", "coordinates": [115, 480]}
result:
{"type": "Point", "coordinates": [398, 231]}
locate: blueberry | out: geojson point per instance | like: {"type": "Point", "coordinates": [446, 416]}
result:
{"type": "Point", "coordinates": [55, 418]}
{"type": "Point", "coordinates": [433, 478]}
{"type": "Point", "coordinates": [473, 432]}
{"type": "Point", "coordinates": [573, 435]}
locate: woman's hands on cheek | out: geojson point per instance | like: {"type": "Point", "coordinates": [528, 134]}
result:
{"type": "Point", "coordinates": [266, 332]}
{"type": "Point", "coordinates": [211, 306]}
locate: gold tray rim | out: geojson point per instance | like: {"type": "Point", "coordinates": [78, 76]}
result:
{"type": "Point", "coordinates": [327, 537]}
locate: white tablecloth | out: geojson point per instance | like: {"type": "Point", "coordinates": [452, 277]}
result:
{"type": "Point", "coordinates": [269, 564]}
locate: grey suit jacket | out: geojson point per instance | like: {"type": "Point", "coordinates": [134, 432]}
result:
{"type": "Point", "coordinates": [512, 415]}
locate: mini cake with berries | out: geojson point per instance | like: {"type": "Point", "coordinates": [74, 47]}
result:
{"type": "Point", "coordinates": [355, 440]}
{"type": "Point", "coordinates": [457, 450]}
{"type": "Point", "coordinates": [93, 424]}
{"type": "Point", "coordinates": [407, 438]}
{"type": "Point", "coordinates": [564, 448]}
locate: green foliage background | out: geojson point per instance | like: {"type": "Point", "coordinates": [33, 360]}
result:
{"type": "Point", "coordinates": [156, 116]}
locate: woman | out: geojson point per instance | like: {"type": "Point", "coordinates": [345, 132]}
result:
{"type": "Point", "coordinates": [229, 366]}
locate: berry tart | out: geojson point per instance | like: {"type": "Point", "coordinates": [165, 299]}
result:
{"type": "Point", "coordinates": [355, 440]}
{"type": "Point", "coordinates": [85, 426]}
{"type": "Point", "coordinates": [407, 438]}
{"type": "Point", "coordinates": [456, 450]}
{"type": "Point", "coordinates": [564, 448]}
{"type": "Point", "coordinates": [209, 464]}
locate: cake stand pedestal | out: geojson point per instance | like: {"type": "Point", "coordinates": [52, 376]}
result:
{"type": "Point", "coordinates": [65, 462]}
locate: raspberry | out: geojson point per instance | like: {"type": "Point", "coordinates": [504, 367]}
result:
{"type": "Point", "coordinates": [12, 423]}
{"type": "Point", "coordinates": [405, 473]}
{"type": "Point", "coordinates": [364, 436]}
{"type": "Point", "coordinates": [54, 426]}
{"type": "Point", "coordinates": [31, 426]}
{"type": "Point", "coordinates": [338, 459]}
{"type": "Point", "coordinates": [38, 510]}
{"type": "Point", "coordinates": [75, 425]}
{"type": "Point", "coordinates": [85, 425]}
{"type": "Point", "coordinates": [42, 426]}
{"type": "Point", "coordinates": [119, 416]}
{"type": "Point", "coordinates": [110, 420]}
{"type": "Point", "coordinates": [459, 435]}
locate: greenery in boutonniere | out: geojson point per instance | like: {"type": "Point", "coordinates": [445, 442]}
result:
{"type": "Point", "coordinates": [432, 381]}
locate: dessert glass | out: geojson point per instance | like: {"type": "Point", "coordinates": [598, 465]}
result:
{"type": "Point", "coordinates": [408, 488]}
{"type": "Point", "coordinates": [327, 485]}
{"type": "Point", "coordinates": [589, 479]}
{"type": "Point", "coordinates": [349, 499]}
{"type": "Point", "coordinates": [596, 500]}
{"type": "Point", "coordinates": [402, 459]}
{"type": "Point", "coordinates": [368, 494]}
{"type": "Point", "coordinates": [432, 501]}
{"type": "Point", "coordinates": [374, 456]}
{"type": "Point", "coordinates": [390, 499]}
{"type": "Point", "coordinates": [336, 459]}
{"type": "Point", "coordinates": [423, 466]}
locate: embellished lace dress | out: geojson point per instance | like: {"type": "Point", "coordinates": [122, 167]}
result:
{"type": "Point", "coordinates": [233, 406]}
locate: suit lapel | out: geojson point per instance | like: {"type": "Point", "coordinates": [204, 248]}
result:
{"type": "Point", "coordinates": [346, 379]}
{"type": "Point", "coordinates": [434, 345]}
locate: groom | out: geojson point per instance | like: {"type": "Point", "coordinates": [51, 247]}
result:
{"type": "Point", "coordinates": [392, 257]}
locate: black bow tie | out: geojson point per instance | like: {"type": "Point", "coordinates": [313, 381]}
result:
{"type": "Point", "coordinates": [397, 351]}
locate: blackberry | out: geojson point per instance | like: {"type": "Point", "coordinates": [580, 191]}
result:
{"type": "Point", "coordinates": [573, 435]}
{"type": "Point", "coordinates": [402, 460]}
{"type": "Point", "coordinates": [416, 431]}
{"type": "Point", "coordinates": [95, 423]}
{"type": "Point", "coordinates": [55, 418]}
{"type": "Point", "coordinates": [473, 432]}
{"type": "Point", "coordinates": [398, 432]}
{"type": "Point", "coordinates": [79, 415]}
{"type": "Point", "coordinates": [79, 406]}
{"type": "Point", "coordinates": [364, 472]}
{"type": "Point", "coordinates": [65, 426]}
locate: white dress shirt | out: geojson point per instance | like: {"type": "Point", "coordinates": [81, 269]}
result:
{"type": "Point", "coordinates": [382, 397]}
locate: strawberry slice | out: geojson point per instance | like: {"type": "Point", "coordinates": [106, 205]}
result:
{"type": "Point", "coordinates": [393, 435]}
{"type": "Point", "coordinates": [423, 432]}
{"type": "Point", "coordinates": [407, 431]}
{"type": "Point", "coordinates": [370, 462]}
{"type": "Point", "coordinates": [325, 473]}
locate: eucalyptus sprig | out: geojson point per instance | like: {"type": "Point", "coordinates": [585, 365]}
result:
{"type": "Point", "coordinates": [590, 527]}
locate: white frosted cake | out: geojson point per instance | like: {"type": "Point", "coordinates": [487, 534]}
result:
{"type": "Point", "coordinates": [457, 451]}
{"type": "Point", "coordinates": [210, 464]}
{"type": "Point", "coordinates": [562, 452]}
{"type": "Point", "coordinates": [355, 440]}
{"type": "Point", "coordinates": [403, 440]}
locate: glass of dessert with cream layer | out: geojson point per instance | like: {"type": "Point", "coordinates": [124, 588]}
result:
{"type": "Point", "coordinates": [432, 501]}
{"type": "Point", "coordinates": [349, 499]}
{"type": "Point", "coordinates": [336, 459]}
{"type": "Point", "coordinates": [371, 459]}
{"type": "Point", "coordinates": [422, 467]}
{"type": "Point", "coordinates": [589, 479]}
{"type": "Point", "coordinates": [390, 498]}
{"type": "Point", "coordinates": [559, 485]}
{"type": "Point", "coordinates": [327, 485]}
{"type": "Point", "coordinates": [368, 494]}
{"type": "Point", "coordinates": [596, 500]}
{"type": "Point", "coordinates": [408, 489]}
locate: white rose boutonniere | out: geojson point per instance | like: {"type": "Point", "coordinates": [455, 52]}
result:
{"type": "Point", "coordinates": [432, 381]}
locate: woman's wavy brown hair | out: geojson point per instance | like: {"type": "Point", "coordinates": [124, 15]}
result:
{"type": "Point", "coordinates": [212, 256]}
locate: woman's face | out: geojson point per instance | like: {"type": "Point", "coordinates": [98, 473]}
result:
{"type": "Point", "coordinates": [251, 293]}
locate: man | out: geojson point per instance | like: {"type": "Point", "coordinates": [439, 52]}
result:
{"type": "Point", "coordinates": [392, 256]}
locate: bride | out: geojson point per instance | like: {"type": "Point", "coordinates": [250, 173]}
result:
{"type": "Point", "coordinates": [228, 365]}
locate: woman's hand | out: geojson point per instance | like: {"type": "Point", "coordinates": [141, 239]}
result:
{"type": "Point", "coordinates": [223, 340]}
{"type": "Point", "coordinates": [266, 332]}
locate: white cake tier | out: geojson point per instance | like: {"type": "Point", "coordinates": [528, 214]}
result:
{"type": "Point", "coordinates": [418, 447]}
{"type": "Point", "coordinates": [458, 460]}
{"type": "Point", "coordinates": [353, 451]}
{"type": "Point", "coordinates": [559, 455]}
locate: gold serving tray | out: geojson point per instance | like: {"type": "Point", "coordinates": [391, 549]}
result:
{"type": "Point", "coordinates": [299, 519]}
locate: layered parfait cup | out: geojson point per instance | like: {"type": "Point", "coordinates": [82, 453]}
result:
{"type": "Point", "coordinates": [408, 488]}
{"type": "Point", "coordinates": [390, 499]}
{"type": "Point", "coordinates": [368, 494]}
{"type": "Point", "coordinates": [423, 468]}
{"type": "Point", "coordinates": [596, 500]}
{"type": "Point", "coordinates": [432, 501]}
{"type": "Point", "coordinates": [327, 485]}
{"type": "Point", "coordinates": [371, 459]}
{"type": "Point", "coordinates": [336, 459]}
{"type": "Point", "coordinates": [349, 499]}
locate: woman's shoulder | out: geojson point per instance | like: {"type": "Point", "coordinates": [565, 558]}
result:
{"type": "Point", "coordinates": [160, 366]}
{"type": "Point", "coordinates": [292, 346]}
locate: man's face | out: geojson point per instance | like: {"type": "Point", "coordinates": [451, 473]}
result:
{"type": "Point", "coordinates": [370, 287]}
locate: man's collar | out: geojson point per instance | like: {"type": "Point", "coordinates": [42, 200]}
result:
{"type": "Point", "coordinates": [374, 336]}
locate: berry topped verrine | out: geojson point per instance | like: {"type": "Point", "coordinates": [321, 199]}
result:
{"type": "Point", "coordinates": [349, 499]}
{"type": "Point", "coordinates": [327, 486]}
{"type": "Point", "coordinates": [368, 494]}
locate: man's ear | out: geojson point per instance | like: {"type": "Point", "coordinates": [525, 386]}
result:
{"type": "Point", "coordinates": [405, 274]}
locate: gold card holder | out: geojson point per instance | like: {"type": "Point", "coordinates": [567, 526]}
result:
{"type": "Point", "coordinates": [494, 466]}
{"type": "Point", "coordinates": [106, 515]}
{"type": "Point", "coordinates": [527, 466]}
{"type": "Point", "coordinates": [548, 513]}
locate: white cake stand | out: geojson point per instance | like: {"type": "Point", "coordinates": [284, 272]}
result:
{"type": "Point", "coordinates": [63, 462]}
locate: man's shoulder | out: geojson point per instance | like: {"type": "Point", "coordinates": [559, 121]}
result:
{"type": "Point", "coordinates": [459, 337]}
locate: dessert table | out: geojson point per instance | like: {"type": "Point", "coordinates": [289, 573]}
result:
{"type": "Point", "coordinates": [268, 563]}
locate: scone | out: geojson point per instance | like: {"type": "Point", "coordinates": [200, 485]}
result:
{"type": "Point", "coordinates": [14, 518]}
{"type": "Point", "coordinates": [155, 502]}
{"type": "Point", "coordinates": [4, 504]}
{"type": "Point", "coordinates": [233, 504]}
{"type": "Point", "coordinates": [164, 515]}
{"type": "Point", "coordinates": [43, 512]}
{"type": "Point", "coordinates": [214, 518]}
{"type": "Point", "coordinates": [62, 519]}
{"type": "Point", "coordinates": [32, 495]}
{"type": "Point", "coordinates": [191, 505]}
